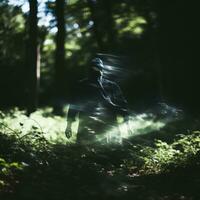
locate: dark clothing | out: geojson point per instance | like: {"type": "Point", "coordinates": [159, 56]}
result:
{"type": "Point", "coordinates": [98, 103]}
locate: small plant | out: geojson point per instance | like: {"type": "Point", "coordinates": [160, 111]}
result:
{"type": "Point", "coordinates": [164, 155]}
{"type": "Point", "coordinates": [7, 172]}
{"type": "Point", "coordinates": [41, 122]}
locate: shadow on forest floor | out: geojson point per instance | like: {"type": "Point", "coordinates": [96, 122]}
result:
{"type": "Point", "coordinates": [88, 176]}
{"type": "Point", "coordinates": [137, 169]}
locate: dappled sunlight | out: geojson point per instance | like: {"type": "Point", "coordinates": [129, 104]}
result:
{"type": "Point", "coordinates": [136, 125]}
{"type": "Point", "coordinates": [42, 121]}
{"type": "Point", "coordinates": [99, 100]}
{"type": "Point", "coordinates": [140, 124]}
{"type": "Point", "coordinates": [118, 170]}
{"type": "Point", "coordinates": [53, 127]}
{"type": "Point", "coordinates": [134, 26]}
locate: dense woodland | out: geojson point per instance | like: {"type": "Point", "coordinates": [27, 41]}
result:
{"type": "Point", "coordinates": [154, 44]}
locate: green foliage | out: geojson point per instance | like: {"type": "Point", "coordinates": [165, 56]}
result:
{"type": "Point", "coordinates": [124, 25]}
{"type": "Point", "coordinates": [30, 161]}
{"type": "Point", "coordinates": [41, 123]}
{"type": "Point", "coordinates": [165, 156]}
{"type": "Point", "coordinates": [128, 21]}
{"type": "Point", "coordinates": [36, 159]}
{"type": "Point", "coordinates": [7, 172]}
{"type": "Point", "coordinates": [12, 28]}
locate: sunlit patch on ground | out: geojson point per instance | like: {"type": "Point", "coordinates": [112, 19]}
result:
{"type": "Point", "coordinates": [42, 121]}
{"type": "Point", "coordinates": [139, 124]}
{"type": "Point", "coordinates": [136, 125]}
{"type": "Point", "coordinates": [53, 127]}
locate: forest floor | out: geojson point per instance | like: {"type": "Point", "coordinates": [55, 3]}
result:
{"type": "Point", "coordinates": [162, 164]}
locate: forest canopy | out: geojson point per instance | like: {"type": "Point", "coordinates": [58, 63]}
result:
{"type": "Point", "coordinates": [154, 46]}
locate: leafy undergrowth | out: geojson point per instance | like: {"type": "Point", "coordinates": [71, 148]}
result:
{"type": "Point", "coordinates": [161, 165]}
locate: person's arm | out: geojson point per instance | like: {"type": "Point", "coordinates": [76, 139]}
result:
{"type": "Point", "coordinates": [72, 110]}
{"type": "Point", "coordinates": [71, 117]}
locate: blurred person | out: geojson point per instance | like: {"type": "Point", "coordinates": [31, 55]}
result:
{"type": "Point", "coordinates": [98, 102]}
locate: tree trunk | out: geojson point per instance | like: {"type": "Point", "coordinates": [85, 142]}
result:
{"type": "Point", "coordinates": [96, 29]}
{"type": "Point", "coordinates": [60, 54]}
{"type": "Point", "coordinates": [33, 58]}
{"type": "Point", "coordinates": [104, 24]}
{"type": "Point", "coordinates": [109, 25]}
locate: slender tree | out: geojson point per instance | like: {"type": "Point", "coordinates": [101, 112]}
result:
{"type": "Point", "coordinates": [60, 52]}
{"type": "Point", "coordinates": [104, 25]}
{"type": "Point", "coordinates": [109, 24]}
{"type": "Point", "coordinates": [33, 57]}
{"type": "Point", "coordinates": [96, 28]}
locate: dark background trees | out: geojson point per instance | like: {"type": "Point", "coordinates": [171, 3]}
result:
{"type": "Point", "coordinates": [177, 38]}
{"type": "Point", "coordinates": [155, 42]}
{"type": "Point", "coordinates": [12, 55]}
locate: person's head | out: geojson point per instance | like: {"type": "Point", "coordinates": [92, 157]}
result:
{"type": "Point", "coordinates": [96, 68]}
